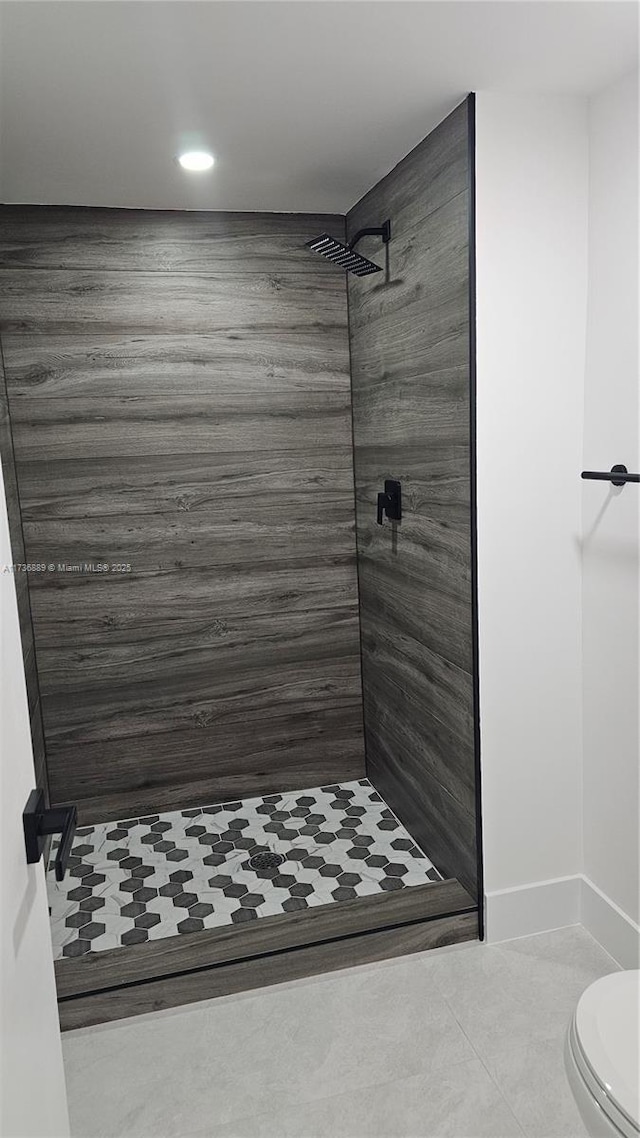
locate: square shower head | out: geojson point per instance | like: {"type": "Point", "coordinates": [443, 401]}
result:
{"type": "Point", "coordinates": [342, 255]}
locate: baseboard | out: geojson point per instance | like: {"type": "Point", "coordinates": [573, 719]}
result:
{"type": "Point", "coordinates": [610, 926]}
{"type": "Point", "coordinates": [535, 908]}
{"type": "Point", "coordinates": [546, 905]}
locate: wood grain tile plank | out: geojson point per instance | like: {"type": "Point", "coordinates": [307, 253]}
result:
{"type": "Point", "coordinates": [86, 302]}
{"type": "Point", "coordinates": [133, 426]}
{"type": "Point", "coordinates": [9, 476]}
{"type": "Point", "coordinates": [434, 703]}
{"type": "Point", "coordinates": [269, 934]}
{"type": "Point", "coordinates": [435, 479]}
{"type": "Point", "coordinates": [267, 528]}
{"type": "Point", "coordinates": [39, 751]}
{"type": "Point", "coordinates": [444, 615]}
{"type": "Point", "coordinates": [76, 237]}
{"type": "Point", "coordinates": [202, 364]}
{"type": "Point", "coordinates": [423, 804]}
{"type": "Point", "coordinates": [441, 537]}
{"type": "Point", "coordinates": [404, 411]}
{"type": "Point", "coordinates": [438, 534]}
{"type": "Point", "coordinates": [363, 948]}
{"type": "Point", "coordinates": [426, 266]}
{"type": "Point", "coordinates": [426, 743]}
{"type": "Point", "coordinates": [236, 757]}
{"type": "Point", "coordinates": [21, 580]}
{"type": "Point", "coordinates": [221, 651]}
{"type": "Point", "coordinates": [180, 395]}
{"type": "Point", "coordinates": [120, 710]}
{"type": "Point", "coordinates": [180, 483]}
{"type": "Point", "coordinates": [95, 609]}
{"type": "Point", "coordinates": [410, 343]}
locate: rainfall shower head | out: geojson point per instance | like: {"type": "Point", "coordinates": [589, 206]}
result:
{"type": "Point", "coordinates": [344, 256]}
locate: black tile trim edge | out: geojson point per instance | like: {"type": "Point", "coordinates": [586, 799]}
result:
{"type": "Point", "coordinates": [471, 144]}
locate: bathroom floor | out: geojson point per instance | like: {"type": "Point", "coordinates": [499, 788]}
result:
{"type": "Point", "coordinates": [453, 1043]}
{"type": "Point", "coordinates": [184, 871]}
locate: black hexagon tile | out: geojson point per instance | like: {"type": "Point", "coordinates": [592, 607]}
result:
{"type": "Point", "coordinates": [178, 873]}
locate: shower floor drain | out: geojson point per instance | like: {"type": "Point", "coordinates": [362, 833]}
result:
{"type": "Point", "coordinates": [266, 861]}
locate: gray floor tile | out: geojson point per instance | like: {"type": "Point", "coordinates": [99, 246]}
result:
{"type": "Point", "coordinates": [275, 1048]}
{"type": "Point", "coordinates": [533, 1081]}
{"type": "Point", "coordinates": [462, 1102]}
{"type": "Point", "coordinates": [382, 1051]}
{"type": "Point", "coordinates": [521, 990]}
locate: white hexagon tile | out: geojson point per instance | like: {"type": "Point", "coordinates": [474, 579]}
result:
{"type": "Point", "coordinates": [189, 870]}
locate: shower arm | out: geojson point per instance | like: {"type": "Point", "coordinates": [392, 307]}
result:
{"type": "Point", "coordinates": [383, 231]}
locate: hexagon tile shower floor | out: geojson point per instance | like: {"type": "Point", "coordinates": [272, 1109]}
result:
{"type": "Point", "coordinates": [188, 870]}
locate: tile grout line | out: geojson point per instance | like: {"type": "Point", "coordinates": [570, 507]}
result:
{"type": "Point", "coordinates": [496, 1084]}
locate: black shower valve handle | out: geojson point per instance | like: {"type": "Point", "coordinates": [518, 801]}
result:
{"type": "Point", "coordinates": [383, 502]}
{"type": "Point", "coordinates": [390, 501]}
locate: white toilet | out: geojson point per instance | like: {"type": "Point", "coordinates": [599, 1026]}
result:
{"type": "Point", "coordinates": [602, 1056]}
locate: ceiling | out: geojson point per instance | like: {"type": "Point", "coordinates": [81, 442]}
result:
{"type": "Point", "coordinates": [305, 104]}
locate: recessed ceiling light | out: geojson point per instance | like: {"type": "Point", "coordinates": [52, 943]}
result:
{"type": "Point", "coordinates": [196, 160]}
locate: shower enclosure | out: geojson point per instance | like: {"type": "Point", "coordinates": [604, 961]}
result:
{"type": "Point", "coordinates": [241, 491]}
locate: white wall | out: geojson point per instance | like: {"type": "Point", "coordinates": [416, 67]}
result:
{"type": "Point", "coordinates": [32, 1080]}
{"type": "Point", "coordinates": [611, 518]}
{"type": "Point", "coordinates": [559, 582]}
{"type": "Point", "coordinates": [531, 170]}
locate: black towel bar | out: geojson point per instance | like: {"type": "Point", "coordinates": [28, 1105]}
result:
{"type": "Point", "coordinates": [39, 823]}
{"type": "Point", "coordinates": [618, 475]}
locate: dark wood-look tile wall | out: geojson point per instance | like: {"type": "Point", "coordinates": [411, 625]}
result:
{"type": "Point", "coordinates": [410, 359]}
{"type": "Point", "coordinates": [22, 588]}
{"type": "Point", "coordinates": [179, 393]}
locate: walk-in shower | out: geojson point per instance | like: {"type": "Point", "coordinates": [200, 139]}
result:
{"type": "Point", "coordinates": [243, 482]}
